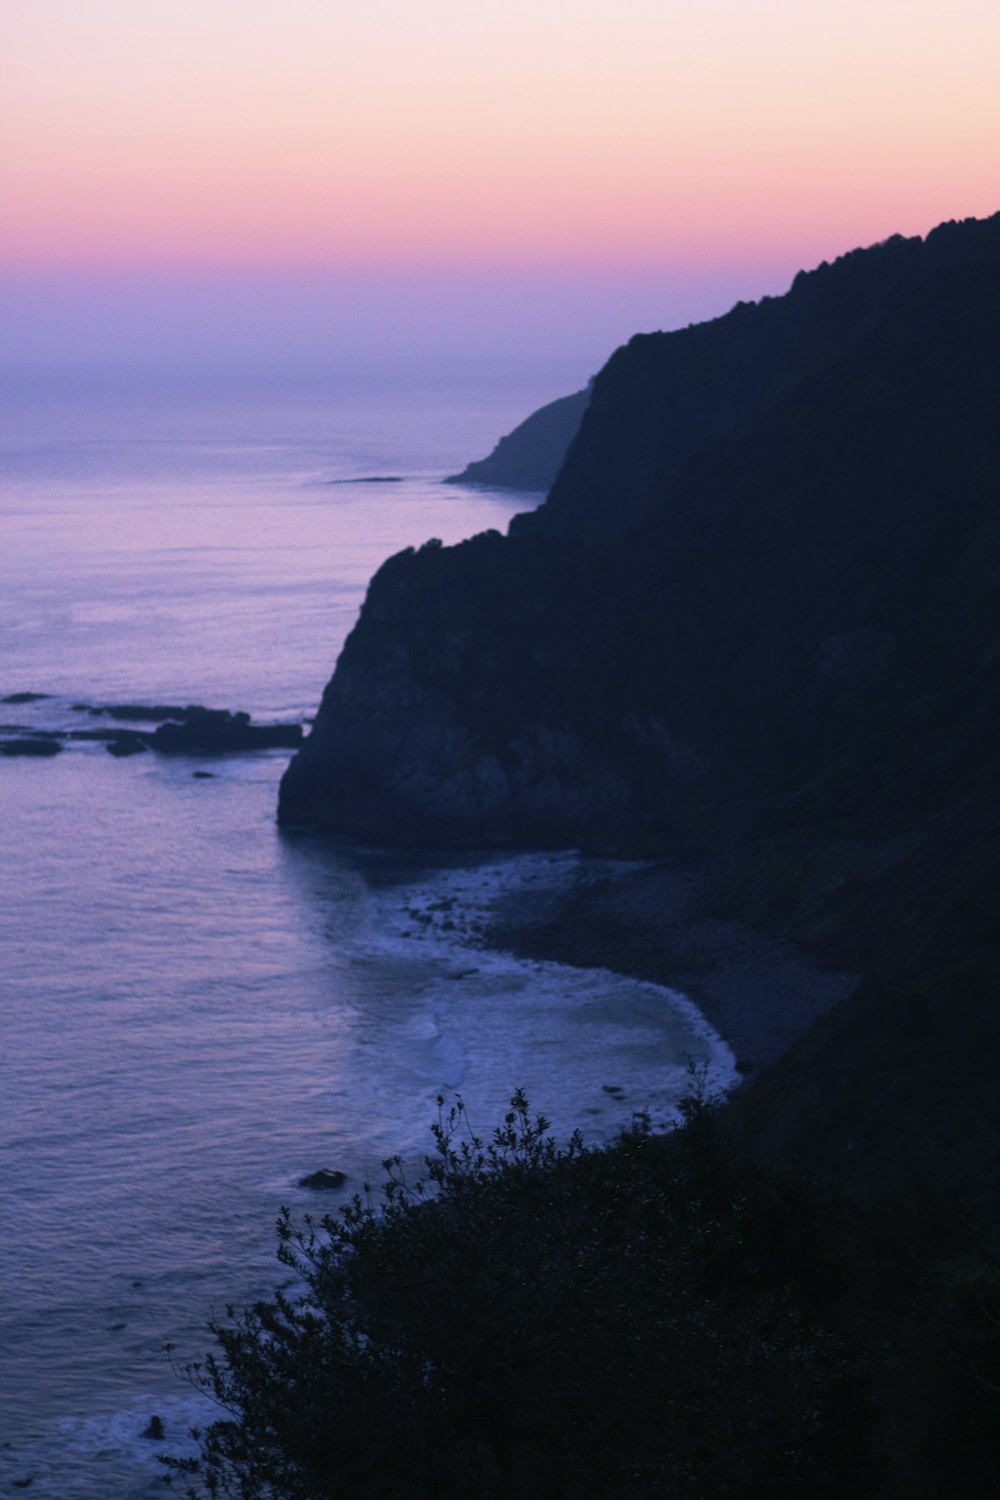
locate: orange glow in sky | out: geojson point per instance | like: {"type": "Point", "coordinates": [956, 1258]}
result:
{"type": "Point", "coordinates": [308, 134]}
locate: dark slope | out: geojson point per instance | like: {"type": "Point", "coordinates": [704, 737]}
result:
{"type": "Point", "coordinates": [530, 457]}
{"type": "Point", "coordinates": [665, 396]}
{"type": "Point", "coordinates": [789, 670]}
{"type": "Point", "coordinates": [805, 597]}
{"type": "Point", "coordinates": [895, 1092]}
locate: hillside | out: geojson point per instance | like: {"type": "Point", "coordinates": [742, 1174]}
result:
{"type": "Point", "coordinates": [779, 658]}
{"type": "Point", "coordinates": [665, 396]}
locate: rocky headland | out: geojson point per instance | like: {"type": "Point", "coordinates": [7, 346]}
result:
{"type": "Point", "coordinates": [755, 629]}
{"type": "Point", "coordinates": [530, 457]}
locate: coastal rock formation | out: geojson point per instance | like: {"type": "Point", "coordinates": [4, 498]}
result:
{"type": "Point", "coordinates": [323, 1180]}
{"type": "Point", "coordinates": [756, 623]}
{"type": "Point", "coordinates": [189, 730]}
{"type": "Point", "coordinates": [447, 736]}
{"type": "Point", "coordinates": [34, 745]}
{"type": "Point", "coordinates": [664, 397]}
{"type": "Point", "coordinates": [216, 731]}
{"type": "Point", "coordinates": [529, 458]}
{"type": "Point", "coordinates": [778, 642]}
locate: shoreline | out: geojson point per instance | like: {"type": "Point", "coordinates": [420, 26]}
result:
{"type": "Point", "coordinates": [759, 992]}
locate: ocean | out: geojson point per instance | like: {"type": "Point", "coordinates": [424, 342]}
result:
{"type": "Point", "coordinates": [198, 1009]}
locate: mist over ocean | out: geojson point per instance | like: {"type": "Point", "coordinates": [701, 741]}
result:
{"type": "Point", "coordinates": [196, 1008]}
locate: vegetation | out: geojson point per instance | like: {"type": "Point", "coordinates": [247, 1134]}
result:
{"type": "Point", "coordinates": [534, 1320]}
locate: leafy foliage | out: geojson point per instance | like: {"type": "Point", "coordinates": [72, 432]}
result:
{"type": "Point", "coordinates": [532, 1319]}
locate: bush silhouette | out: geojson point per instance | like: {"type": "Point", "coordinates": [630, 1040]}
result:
{"type": "Point", "coordinates": [543, 1320]}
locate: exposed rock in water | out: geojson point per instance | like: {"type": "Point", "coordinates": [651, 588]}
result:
{"type": "Point", "coordinates": [35, 746]}
{"type": "Point", "coordinates": [151, 713]}
{"type": "Point", "coordinates": [154, 1429]}
{"type": "Point", "coordinates": [323, 1180]}
{"type": "Point", "coordinates": [216, 731]}
{"type": "Point", "coordinates": [122, 744]}
{"type": "Point", "coordinates": [24, 698]}
{"type": "Point", "coordinates": [371, 479]}
{"type": "Point", "coordinates": [203, 731]}
{"type": "Point", "coordinates": [529, 458]}
{"type": "Point", "coordinates": [192, 730]}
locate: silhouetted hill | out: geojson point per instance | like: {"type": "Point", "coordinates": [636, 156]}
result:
{"type": "Point", "coordinates": [529, 457]}
{"type": "Point", "coordinates": [664, 396]}
{"type": "Point", "coordinates": [781, 659]}
{"type": "Point", "coordinates": [777, 580]}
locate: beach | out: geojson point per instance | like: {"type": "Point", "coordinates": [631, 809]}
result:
{"type": "Point", "coordinates": [644, 920]}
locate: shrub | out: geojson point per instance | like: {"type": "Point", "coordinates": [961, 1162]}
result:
{"type": "Point", "coordinates": [650, 1318]}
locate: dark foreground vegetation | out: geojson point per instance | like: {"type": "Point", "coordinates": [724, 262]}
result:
{"type": "Point", "coordinates": [660, 1317]}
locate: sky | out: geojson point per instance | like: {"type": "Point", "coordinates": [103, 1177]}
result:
{"type": "Point", "coordinates": [246, 177]}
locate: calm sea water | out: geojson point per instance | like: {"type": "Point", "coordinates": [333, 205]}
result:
{"type": "Point", "coordinates": [197, 1009]}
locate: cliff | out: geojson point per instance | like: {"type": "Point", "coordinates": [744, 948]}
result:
{"type": "Point", "coordinates": [530, 457]}
{"type": "Point", "coordinates": [784, 633]}
{"type": "Point", "coordinates": [756, 624]}
{"type": "Point", "coordinates": [666, 396]}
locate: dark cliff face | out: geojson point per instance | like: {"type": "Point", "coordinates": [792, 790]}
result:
{"type": "Point", "coordinates": [792, 651]}
{"type": "Point", "coordinates": [768, 635]}
{"type": "Point", "coordinates": [443, 724]}
{"type": "Point", "coordinates": [665, 396]}
{"type": "Point", "coordinates": [790, 664]}
{"type": "Point", "coordinates": [529, 458]}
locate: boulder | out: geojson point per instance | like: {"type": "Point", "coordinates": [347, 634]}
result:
{"type": "Point", "coordinates": [35, 747]}
{"type": "Point", "coordinates": [323, 1180]}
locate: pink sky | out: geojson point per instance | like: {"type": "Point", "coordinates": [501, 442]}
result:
{"type": "Point", "coordinates": [696, 142]}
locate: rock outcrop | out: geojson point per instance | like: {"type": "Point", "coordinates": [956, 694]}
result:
{"type": "Point", "coordinates": [33, 745]}
{"type": "Point", "coordinates": [187, 730]}
{"type": "Point", "coordinates": [788, 637]}
{"type": "Point", "coordinates": [757, 622]}
{"type": "Point", "coordinates": [216, 731]}
{"type": "Point", "coordinates": [441, 732]}
{"type": "Point", "coordinates": [323, 1180]}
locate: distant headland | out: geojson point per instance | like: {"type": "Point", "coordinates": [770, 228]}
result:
{"type": "Point", "coordinates": [530, 457]}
